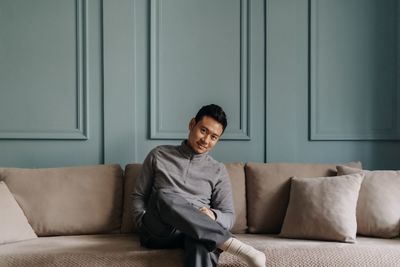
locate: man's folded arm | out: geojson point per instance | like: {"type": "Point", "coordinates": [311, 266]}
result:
{"type": "Point", "coordinates": [222, 200]}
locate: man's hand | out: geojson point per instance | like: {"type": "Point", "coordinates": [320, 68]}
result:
{"type": "Point", "coordinates": [208, 212]}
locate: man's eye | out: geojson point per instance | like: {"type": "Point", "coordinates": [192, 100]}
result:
{"type": "Point", "coordinates": [203, 130]}
{"type": "Point", "coordinates": [214, 138]}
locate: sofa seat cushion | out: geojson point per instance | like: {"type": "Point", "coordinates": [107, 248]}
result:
{"type": "Point", "coordinates": [84, 250]}
{"type": "Point", "coordinates": [296, 252]}
{"type": "Point", "coordinates": [125, 250]}
{"type": "Point", "coordinates": [94, 250]}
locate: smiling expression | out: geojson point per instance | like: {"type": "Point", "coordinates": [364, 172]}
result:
{"type": "Point", "coordinates": [204, 134]}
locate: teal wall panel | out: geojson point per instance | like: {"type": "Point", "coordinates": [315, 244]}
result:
{"type": "Point", "coordinates": [353, 70]}
{"type": "Point", "coordinates": [288, 94]}
{"type": "Point", "coordinates": [171, 75]}
{"type": "Point", "coordinates": [119, 50]}
{"type": "Point", "coordinates": [50, 83]}
{"type": "Point", "coordinates": [198, 54]}
{"type": "Point", "coordinates": [43, 53]}
{"type": "Point", "coordinates": [91, 81]}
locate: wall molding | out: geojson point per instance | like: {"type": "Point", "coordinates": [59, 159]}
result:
{"type": "Point", "coordinates": [156, 130]}
{"type": "Point", "coordinates": [317, 133]}
{"type": "Point", "coordinates": [81, 132]}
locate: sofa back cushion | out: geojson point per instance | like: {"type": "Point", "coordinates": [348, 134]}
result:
{"type": "Point", "coordinates": [238, 183]}
{"type": "Point", "coordinates": [131, 172]}
{"type": "Point", "coordinates": [68, 201]}
{"type": "Point", "coordinates": [268, 191]}
{"type": "Point", "coordinates": [236, 173]}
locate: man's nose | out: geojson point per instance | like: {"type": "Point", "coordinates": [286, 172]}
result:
{"type": "Point", "coordinates": [204, 139]}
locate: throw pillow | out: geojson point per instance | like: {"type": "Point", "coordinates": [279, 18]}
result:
{"type": "Point", "coordinates": [13, 224]}
{"type": "Point", "coordinates": [378, 207]}
{"type": "Point", "coordinates": [323, 208]}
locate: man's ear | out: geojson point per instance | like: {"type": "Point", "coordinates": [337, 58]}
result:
{"type": "Point", "coordinates": [192, 123]}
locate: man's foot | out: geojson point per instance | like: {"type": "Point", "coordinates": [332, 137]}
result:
{"type": "Point", "coordinates": [250, 255]}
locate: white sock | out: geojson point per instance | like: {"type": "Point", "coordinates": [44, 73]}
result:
{"type": "Point", "coordinates": [250, 255]}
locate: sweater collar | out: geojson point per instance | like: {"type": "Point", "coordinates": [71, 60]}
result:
{"type": "Point", "coordinates": [188, 152]}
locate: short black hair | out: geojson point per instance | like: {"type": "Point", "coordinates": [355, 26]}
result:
{"type": "Point", "coordinates": [213, 111]}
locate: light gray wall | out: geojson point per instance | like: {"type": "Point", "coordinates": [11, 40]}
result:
{"type": "Point", "coordinates": [90, 81]}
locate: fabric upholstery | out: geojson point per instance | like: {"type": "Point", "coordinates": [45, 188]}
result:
{"type": "Point", "coordinates": [13, 224]}
{"type": "Point", "coordinates": [131, 172]}
{"type": "Point", "coordinates": [124, 250]}
{"type": "Point", "coordinates": [367, 252]}
{"type": "Point", "coordinates": [378, 208]}
{"type": "Point", "coordinates": [95, 250]}
{"type": "Point", "coordinates": [238, 183]}
{"type": "Point", "coordinates": [268, 190]}
{"type": "Point", "coordinates": [236, 174]}
{"type": "Point", "coordinates": [323, 208]}
{"type": "Point", "coordinates": [67, 201]}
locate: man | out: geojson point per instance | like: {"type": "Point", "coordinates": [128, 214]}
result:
{"type": "Point", "coordinates": [183, 197]}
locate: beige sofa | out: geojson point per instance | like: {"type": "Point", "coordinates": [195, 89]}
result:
{"type": "Point", "coordinates": [81, 216]}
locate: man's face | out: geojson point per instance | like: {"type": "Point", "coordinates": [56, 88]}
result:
{"type": "Point", "coordinates": [204, 135]}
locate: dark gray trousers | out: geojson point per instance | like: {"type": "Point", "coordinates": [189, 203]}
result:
{"type": "Point", "coordinates": [172, 222]}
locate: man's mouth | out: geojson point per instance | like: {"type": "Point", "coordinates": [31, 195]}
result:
{"type": "Point", "coordinates": [202, 147]}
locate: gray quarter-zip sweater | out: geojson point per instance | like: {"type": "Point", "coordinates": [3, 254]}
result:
{"type": "Point", "coordinates": [200, 179]}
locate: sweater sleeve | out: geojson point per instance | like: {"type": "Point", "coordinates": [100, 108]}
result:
{"type": "Point", "coordinates": [222, 200]}
{"type": "Point", "coordinates": [142, 189]}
